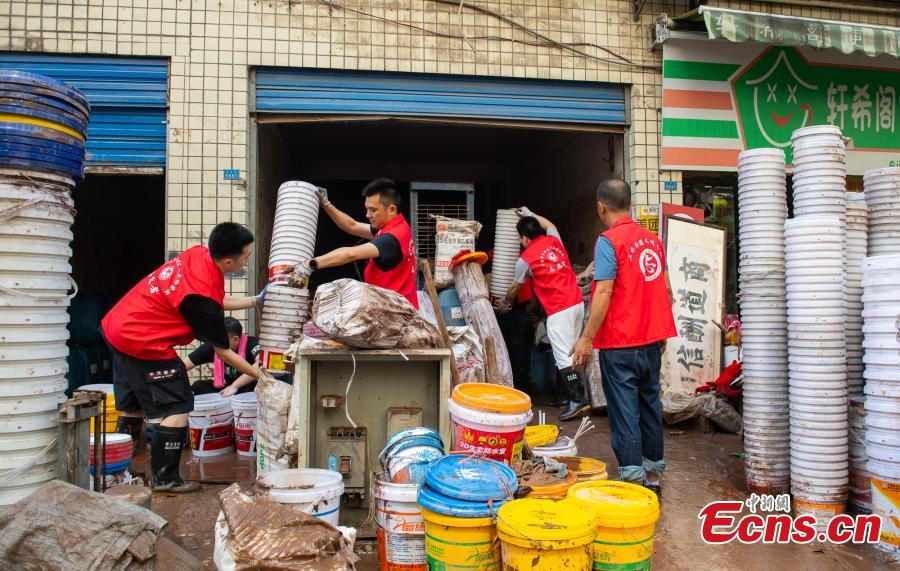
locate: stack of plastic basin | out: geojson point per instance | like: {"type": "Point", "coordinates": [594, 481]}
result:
{"type": "Point", "coordinates": [881, 299]}
{"type": "Point", "coordinates": [762, 203]}
{"type": "Point", "coordinates": [43, 128]}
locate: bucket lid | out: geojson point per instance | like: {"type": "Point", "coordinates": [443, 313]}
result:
{"type": "Point", "coordinates": [101, 387]}
{"type": "Point", "coordinates": [471, 478]}
{"type": "Point", "coordinates": [561, 523]}
{"type": "Point", "coordinates": [491, 398]}
{"type": "Point", "coordinates": [541, 434]}
{"type": "Point", "coordinates": [618, 504]}
{"type": "Point", "coordinates": [454, 507]}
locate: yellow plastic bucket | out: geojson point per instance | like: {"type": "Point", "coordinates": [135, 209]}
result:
{"type": "Point", "coordinates": [542, 534]}
{"type": "Point", "coordinates": [112, 415]}
{"type": "Point", "coordinates": [626, 521]}
{"type": "Point", "coordinates": [460, 543]}
{"type": "Point", "coordinates": [555, 490]}
{"type": "Point", "coordinates": [585, 469]}
{"type": "Point", "coordinates": [541, 435]}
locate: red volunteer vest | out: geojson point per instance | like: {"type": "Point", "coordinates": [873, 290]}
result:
{"type": "Point", "coordinates": [553, 280]}
{"type": "Point", "coordinates": [146, 323]}
{"type": "Point", "coordinates": [640, 311]}
{"type": "Point", "coordinates": [401, 279]}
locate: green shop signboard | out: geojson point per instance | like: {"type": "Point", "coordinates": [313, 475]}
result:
{"type": "Point", "coordinates": [751, 96]}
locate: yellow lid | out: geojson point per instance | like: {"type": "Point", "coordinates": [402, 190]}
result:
{"type": "Point", "coordinates": [545, 523]}
{"type": "Point", "coordinates": [541, 434]}
{"type": "Point", "coordinates": [451, 521]}
{"type": "Point", "coordinates": [617, 504]}
{"type": "Point", "coordinates": [582, 466]}
{"type": "Point", "coordinates": [557, 489]}
{"type": "Point", "coordinates": [464, 256]}
{"type": "Point", "coordinates": [491, 398]}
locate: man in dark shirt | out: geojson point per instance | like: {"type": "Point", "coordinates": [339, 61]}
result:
{"type": "Point", "coordinates": [182, 300]}
{"type": "Point", "coordinates": [235, 381]}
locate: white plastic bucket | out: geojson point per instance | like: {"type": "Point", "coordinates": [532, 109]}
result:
{"type": "Point", "coordinates": [886, 503]}
{"type": "Point", "coordinates": [309, 490]}
{"type": "Point", "coordinates": [244, 407]}
{"type": "Point", "coordinates": [506, 427]}
{"type": "Point", "coordinates": [565, 446]}
{"type": "Point", "coordinates": [400, 527]}
{"type": "Point", "coordinates": [211, 424]}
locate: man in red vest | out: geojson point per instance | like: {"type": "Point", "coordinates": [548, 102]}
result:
{"type": "Point", "coordinates": [546, 262]}
{"type": "Point", "coordinates": [629, 321]}
{"type": "Point", "coordinates": [182, 300]}
{"type": "Point", "coordinates": [391, 254]}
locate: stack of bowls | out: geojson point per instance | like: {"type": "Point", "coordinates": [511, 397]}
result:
{"type": "Point", "coordinates": [762, 203]}
{"type": "Point", "coordinates": [117, 450]}
{"type": "Point", "coordinates": [881, 299]}
{"type": "Point", "coordinates": [882, 190]}
{"type": "Point", "coordinates": [855, 252]}
{"type": "Point", "coordinates": [506, 252]}
{"type": "Point", "coordinates": [817, 363]}
{"type": "Point", "coordinates": [820, 182]}
{"type": "Point", "coordinates": [860, 500]}
{"type": "Point", "coordinates": [294, 231]}
{"type": "Point", "coordinates": [283, 315]}
{"type": "Point", "coordinates": [43, 127]}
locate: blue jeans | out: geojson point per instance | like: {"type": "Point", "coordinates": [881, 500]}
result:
{"type": "Point", "coordinates": [631, 385]}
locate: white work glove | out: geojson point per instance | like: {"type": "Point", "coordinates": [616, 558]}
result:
{"type": "Point", "coordinates": [523, 211]}
{"type": "Point", "coordinates": [300, 275]}
{"type": "Point", "coordinates": [322, 195]}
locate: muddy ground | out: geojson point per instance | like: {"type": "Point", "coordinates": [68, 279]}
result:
{"type": "Point", "coordinates": [702, 467]}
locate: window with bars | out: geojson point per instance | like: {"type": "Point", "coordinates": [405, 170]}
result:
{"type": "Point", "coordinates": [428, 199]}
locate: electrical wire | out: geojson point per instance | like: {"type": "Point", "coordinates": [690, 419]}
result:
{"type": "Point", "coordinates": [544, 41]}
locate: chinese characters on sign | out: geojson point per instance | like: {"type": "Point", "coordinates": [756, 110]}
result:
{"type": "Point", "coordinates": [695, 259]}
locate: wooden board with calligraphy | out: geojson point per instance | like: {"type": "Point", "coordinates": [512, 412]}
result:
{"type": "Point", "coordinates": [695, 254]}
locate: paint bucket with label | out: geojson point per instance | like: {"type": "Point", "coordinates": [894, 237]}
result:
{"type": "Point", "coordinates": [309, 490]}
{"type": "Point", "coordinates": [244, 406]}
{"type": "Point", "coordinates": [400, 527]}
{"type": "Point", "coordinates": [545, 535]}
{"type": "Point", "coordinates": [626, 516]}
{"type": "Point", "coordinates": [886, 503]}
{"type": "Point", "coordinates": [211, 424]}
{"type": "Point", "coordinates": [460, 543]}
{"type": "Point", "coordinates": [489, 420]}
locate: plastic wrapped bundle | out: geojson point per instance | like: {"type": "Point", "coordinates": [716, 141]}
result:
{"type": "Point", "coordinates": [468, 353]}
{"type": "Point", "coordinates": [370, 317]}
{"type": "Point", "coordinates": [476, 304]}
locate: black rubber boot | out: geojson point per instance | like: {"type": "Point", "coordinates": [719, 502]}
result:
{"type": "Point", "coordinates": [578, 405]}
{"type": "Point", "coordinates": [130, 425]}
{"type": "Point", "coordinates": [561, 396]}
{"type": "Point", "coordinates": [165, 457]}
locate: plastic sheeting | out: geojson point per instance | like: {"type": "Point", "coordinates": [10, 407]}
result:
{"type": "Point", "coordinates": [468, 353]}
{"type": "Point", "coordinates": [274, 400]}
{"type": "Point", "coordinates": [593, 383]}
{"type": "Point", "coordinates": [479, 314]}
{"type": "Point", "coordinates": [364, 316]}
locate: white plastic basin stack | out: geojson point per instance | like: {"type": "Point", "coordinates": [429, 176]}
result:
{"type": "Point", "coordinates": [283, 315]}
{"type": "Point", "coordinates": [855, 252]}
{"type": "Point", "coordinates": [882, 190]}
{"type": "Point", "coordinates": [294, 231]}
{"type": "Point", "coordinates": [817, 362]}
{"type": "Point", "coordinates": [35, 219]}
{"type": "Point", "coordinates": [506, 252]}
{"type": "Point", "coordinates": [860, 499]}
{"type": "Point", "coordinates": [881, 300]}
{"type": "Point", "coordinates": [762, 206]}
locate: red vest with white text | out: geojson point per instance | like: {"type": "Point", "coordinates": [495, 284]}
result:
{"type": "Point", "coordinates": [554, 281]}
{"type": "Point", "coordinates": [640, 311]}
{"type": "Point", "coordinates": [146, 323]}
{"type": "Point", "coordinates": [401, 279]}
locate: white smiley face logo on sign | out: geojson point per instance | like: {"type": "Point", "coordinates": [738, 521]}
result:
{"type": "Point", "coordinates": [166, 273]}
{"type": "Point", "coordinates": [650, 264]}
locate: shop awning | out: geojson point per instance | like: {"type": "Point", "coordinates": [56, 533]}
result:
{"type": "Point", "coordinates": [741, 26]}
